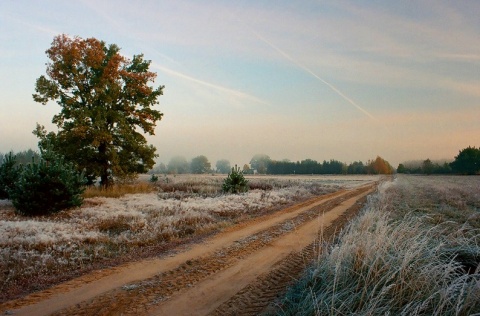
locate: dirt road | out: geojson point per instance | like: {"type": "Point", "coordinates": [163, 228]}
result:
{"type": "Point", "coordinates": [239, 271]}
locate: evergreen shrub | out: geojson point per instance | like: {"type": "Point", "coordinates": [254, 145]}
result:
{"type": "Point", "coordinates": [48, 186]}
{"type": "Point", "coordinates": [9, 174]}
{"type": "Point", "coordinates": [154, 178]}
{"type": "Point", "coordinates": [235, 182]}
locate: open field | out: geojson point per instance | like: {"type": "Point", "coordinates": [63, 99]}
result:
{"type": "Point", "coordinates": [41, 251]}
{"type": "Point", "coordinates": [415, 250]}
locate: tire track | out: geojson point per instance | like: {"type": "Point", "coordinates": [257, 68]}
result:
{"type": "Point", "coordinates": [260, 297]}
{"type": "Point", "coordinates": [243, 290]}
{"type": "Point", "coordinates": [146, 295]}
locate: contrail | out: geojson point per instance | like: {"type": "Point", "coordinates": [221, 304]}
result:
{"type": "Point", "coordinates": [313, 74]}
{"type": "Point", "coordinates": [208, 84]}
{"type": "Point", "coordinates": [39, 28]}
{"type": "Point", "coordinates": [233, 92]}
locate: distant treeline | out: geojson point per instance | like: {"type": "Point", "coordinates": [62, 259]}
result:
{"type": "Point", "coordinates": [22, 157]}
{"type": "Point", "coordinates": [424, 167]}
{"type": "Point", "coordinates": [466, 162]}
{"type": "Point", "coordinates": [263, 164]}
{"type": "Point", "coordinates": [309, 166]}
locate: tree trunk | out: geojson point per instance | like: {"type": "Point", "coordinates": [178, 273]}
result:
{"type": "Point", "coordinates": [104, 180]}
{"type": "Point", "coordinates": [104, 176]}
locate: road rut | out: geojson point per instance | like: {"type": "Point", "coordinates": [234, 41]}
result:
{"type": "Point", "coordinates": [238, 271]}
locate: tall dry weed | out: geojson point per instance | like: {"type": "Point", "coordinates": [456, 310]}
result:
{"type": "Point", "coordinates": [118, 190]}
{"type": "Point", "coordinates": [395, 264]}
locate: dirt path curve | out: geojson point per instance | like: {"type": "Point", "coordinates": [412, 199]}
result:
{"type": "Point", "coordinates": [199, 279]}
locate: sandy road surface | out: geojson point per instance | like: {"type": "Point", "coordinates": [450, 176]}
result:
{"type": "Point", "coordinates": [239, 271]}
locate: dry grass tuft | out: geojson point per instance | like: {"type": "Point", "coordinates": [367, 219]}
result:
{"type": "Point", "coordinates": [119, 190]}
{"type": "Point", "coordinates": [396, 260]}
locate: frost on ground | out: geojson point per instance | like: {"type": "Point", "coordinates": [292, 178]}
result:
{"type": "Point", "coordinates": [415, 250]}
{"type": "Point", "coordinates": [35, 250]}
{"type": "Point", "coordinates": [447, 200]}
{"type": "Point", "coordinates": [5, 203]}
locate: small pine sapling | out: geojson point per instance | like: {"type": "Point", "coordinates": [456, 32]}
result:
{"type": "Point", "coordinates": [154, 178]}
{"type": "Point", "coordinates": [235, 182]}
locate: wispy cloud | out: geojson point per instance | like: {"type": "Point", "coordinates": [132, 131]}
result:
{"type": "Point", "coordinates": [309, 71]}
{"type": "Point", "coordinates": [40, 28]}
{"type": "Point", "coordinates": [466, 88]}
{"type": "Point", "coordinates": [443, 29]}
{"type": "Point", "coordinates": [147, 44]}
{"type": "Point", "coordinates": [232, 92]}
{"type": "Point", "coordinates": [467, 58]}
{"type": "Point", "coordinates": [103, 14]}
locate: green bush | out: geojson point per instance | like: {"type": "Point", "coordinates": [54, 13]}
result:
{"type": "Point", "coordinates": [235, 182]}
{"type": "Point", "coordinates": [48, 186]}
{"type": "Point", "coordinates": [9, 174]}
{"type": "Point", "coordinates": [154, 178]}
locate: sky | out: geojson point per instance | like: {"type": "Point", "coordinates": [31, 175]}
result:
{"type": "Point", "coordinates": [344, 80]}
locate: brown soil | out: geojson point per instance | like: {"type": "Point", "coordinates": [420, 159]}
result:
{"type": "Point", "coordinates": [239, 271]}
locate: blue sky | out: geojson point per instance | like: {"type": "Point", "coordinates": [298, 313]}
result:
{"type": "Point", "coordinates": [347, 80]}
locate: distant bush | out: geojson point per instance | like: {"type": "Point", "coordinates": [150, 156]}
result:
{"type": "Point", "coordinates": [153, 178]}
{"type": "Point", "coordinates": [235, 182]}
{"type": "Point", "coordinates": [9, 174]}
{"type": "Point", "coordinates": [48, 186]}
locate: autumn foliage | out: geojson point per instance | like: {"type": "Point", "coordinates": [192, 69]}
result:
{"type": "Point", "coordinates": [105, 100]}
{"type": "Point", "coordinates": [380, 166]}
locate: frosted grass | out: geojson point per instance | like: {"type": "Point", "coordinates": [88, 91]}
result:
{"type": "Point", "coordinates": [105, 228]}
{"type": "Point", "coordinates": [32, 233]}
{"type": "Point", "coordinates": [390, 262]}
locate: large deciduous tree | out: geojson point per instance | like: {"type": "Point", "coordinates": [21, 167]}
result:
{"type": "Point", "coordinates": [260, 163]}
{"type": "Point", "coordinates": [178, 165]}
{"type": "Point", "coordinates": [379, 166]}
{"type": "Point", "coordinates": [223, 166]}
{"type": "Point", "coordinates": [106, 102]}
{"type": "Point", "coordinates": [200, 164]}
{"type": "Point", "coordinates": [428, 167]}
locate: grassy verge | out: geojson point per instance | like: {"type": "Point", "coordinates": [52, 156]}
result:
{"type": "Point", "coordinates": [414, 251]}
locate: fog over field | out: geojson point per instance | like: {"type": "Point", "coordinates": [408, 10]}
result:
{"type": "Point", "coordinates": [309, 79]}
